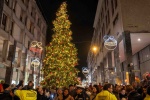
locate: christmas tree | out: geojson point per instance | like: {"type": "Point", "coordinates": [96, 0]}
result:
{"type": "Point", "coordinates": [61, 55]}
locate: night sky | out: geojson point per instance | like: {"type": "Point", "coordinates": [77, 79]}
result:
{"type": "Point", "coordinates": [81, 14]}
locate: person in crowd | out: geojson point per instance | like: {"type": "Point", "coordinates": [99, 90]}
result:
{"type": "Point", "coordinates": [145, 80]}
{"type": "Point", "coordinates": [144, 90]}
{"type": "Point", "coordinates": [81, 94]}
{"type": "Point", "coordinates": [40, 94]}
{"type": "Point", "coordinates": [59, 95]}
{"type": "Point", "coordinates": [7, 94]}
{"type": "Point", "coordinates": [20, 85]}
{"type": "Point", "coordinates": [66, 95]}
{"type": "Point", "coordinates": [116, 91]}
{"type": "Point", "coordinates": [29, 86]}
{"type": "Point", "coordinates": [106, 93]}
{"type": "Point", "coordinates": [122, 94]}
{"type": "Point", "coordinates": [148, 94]}
{"type": "Point", "coordinates": [95, 91]}
{"type": "Point", "coordinates": [90, 87]}
{"type": "Point", "coordinates": [132, 94]}
{"type": "Point", "coordinates": [53, 92]}
{"type": "Point", "coordinates": [12, 86]}
{"type": "Point", "coordinates": [72, 90]}
{"type": "Point", "coordinates": [47, 93]}
{"type": "Point", "coordinates": [1, 86]}
{"type": "Point", "coordinates": [88, 92]}
{"type": "Point", "coordinates": [100, 86]}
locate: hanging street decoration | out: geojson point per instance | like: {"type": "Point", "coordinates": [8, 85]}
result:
{"type": "Point", "coordinates": [85, 71]}
{"type": "Point", "coordinates": [110, 42]}
{"type": "Point", "coordinates": [36, 46]}
{"type": "Point", "coordinates": [35, 62]}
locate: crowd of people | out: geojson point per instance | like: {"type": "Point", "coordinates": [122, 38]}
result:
{"type": "Point", "coordinates": [135, 91]}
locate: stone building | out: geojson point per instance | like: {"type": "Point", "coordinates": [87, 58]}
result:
{"type": "Point", "coordinates": [129, 22]}
{"type": "Point", "coordinates": [21, 22]}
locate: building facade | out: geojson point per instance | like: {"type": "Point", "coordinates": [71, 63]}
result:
{"type": "Point", "coordinates": [128, 21]}
{"type": "Point", "coordinates": [21, 23]}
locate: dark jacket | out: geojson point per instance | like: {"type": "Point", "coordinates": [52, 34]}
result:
{"type": "Point", "coordinates": [82, 96]}
{"type": "Point", "coordinates": [116, 94]}
{"type": "Point", "coordinates": [5, 96]}
{"type": "Point", "coordinates": [122, 96]}
{"type": "Point", "coordinates": [134, 96]}
{"type": "Point", "coordinates": [41, 97]}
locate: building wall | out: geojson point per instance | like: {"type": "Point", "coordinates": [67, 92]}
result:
{"type": "Point", "coordinates": [24, 23]}
{"type": "Point", "coordinates": [135, 15]}
{"type": "Point", "coordinates": [114, 17]}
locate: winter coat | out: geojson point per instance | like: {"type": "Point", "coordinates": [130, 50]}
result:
{"type": "Point", "coordinates": [105, 95]}
{"type": "Point", "coordinates": [133, 95]}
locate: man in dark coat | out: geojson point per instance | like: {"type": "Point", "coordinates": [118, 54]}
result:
{"type": "Point", "coordinates": [29, 86]}
{"type": "Point", "coordinates": [40, 94]}
{"type": "Point", "coordinates": [132, 94]}
{"type": "Point", "coordinates": [5, 95]}
{"type": "Point", "coordinates": [81, 94]}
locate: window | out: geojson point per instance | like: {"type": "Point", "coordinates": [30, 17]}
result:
{"type": "Point", "coordinates": [103, 30]}
{"type": "Point", "coordinates": [38, 22]}
{"type": "Point", "coordinates": [106, 21]}
{"type": "Point", "coordinates": [115, 20]}
{"type": "Point", "coordinates": [116, 4]}
{"type": "Point", "coordinates": [14, 6]}
{"type": "Point", "coordinates": [11, 30]}
{"type": "Point", "coordinates": [23, 1]}
{"type": "Point", "coordinates": [33, 12]}
{"type": "Point", "coordinates": [112, 7]}
{"type": "Point", "coordinates": [30, 27]}
{"type": "Point", "coordinates": [106, 4]}
{"type": "Point", "coordinates": [21, 16]}
{"type": "Point", "coordinates": [102, 14]}
{"type": "Point", "coordinates": [4, 20]}
{"type": "Point", "coordinates": [26, 20]}
{"type": "Point", "coordinates": [26, 2]}
{"type": "Point", "coordinates": [108, 32]}
{"type": "Point", "coordinates": [7, 2]}
{"type": "Point", "coordinates": [29, 44]}
{"type": "Point", "coordinates": [108, 17]}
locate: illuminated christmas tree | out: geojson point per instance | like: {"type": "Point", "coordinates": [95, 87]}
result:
{"type": "Point", "coordinates": [61, 55]}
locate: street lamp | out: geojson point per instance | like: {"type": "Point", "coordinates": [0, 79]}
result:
{"type": "Point", "coordinates": [94, 49]}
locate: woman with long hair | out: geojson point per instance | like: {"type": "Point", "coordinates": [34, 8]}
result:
{"type": "Point", "coordinates": [95, 91]}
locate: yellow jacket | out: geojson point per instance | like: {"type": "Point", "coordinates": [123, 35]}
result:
{"type": "Point", "coordinates": [26, 94]}
{"type": "Point", "coordinates": [105, 95]}
{"type": "Point", "coordinates": [147, 97]}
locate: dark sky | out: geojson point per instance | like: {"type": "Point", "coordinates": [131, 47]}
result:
{"type": "Point", "coordinates": [81, 14]}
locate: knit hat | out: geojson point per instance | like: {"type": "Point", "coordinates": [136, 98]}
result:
{"type": "Point", "coordinates": [5, 86]}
